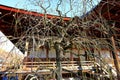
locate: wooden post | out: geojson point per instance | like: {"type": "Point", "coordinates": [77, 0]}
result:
{"type": "Point", "coordinates": [80, 66]}
{"type": "Point", "coordinates": [58, 62]}
{"type": "Point", "coordinates": [71, 56]}
{"type": "Point", "coordinates": [26, 48]}
{"type": "Point", "coordinates": [115, 58]}
{"type": "Point", "coordinates": [47, 54]}
{"type": "Point", "coordinates": [86, 56]}
{"type": "Point", "coordinates": [25, 54]}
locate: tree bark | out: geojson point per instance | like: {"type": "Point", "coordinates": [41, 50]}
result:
{"type": "Point", "coordinates": [58, 62]}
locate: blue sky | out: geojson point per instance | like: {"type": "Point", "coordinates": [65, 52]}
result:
{"type": "Point", "coordinates": [77, 6]}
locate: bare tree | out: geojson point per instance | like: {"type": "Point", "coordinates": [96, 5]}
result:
{"type": "Point", "coordinates": [79, 33]}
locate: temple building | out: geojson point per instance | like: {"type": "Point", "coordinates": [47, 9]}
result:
{"type": "Point", "coordinates": [43, 46]}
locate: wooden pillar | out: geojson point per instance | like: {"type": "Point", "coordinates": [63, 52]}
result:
{"type": "Point", "coordinates": [58, 62]}
{"type": "Point", "coordinates": [86, 56]}
{"type": "Point", "coordinates": [80, 66]}
{"type": "Point", "coordinates": [93, 54]}
{"type": "Point", "coordinates": [26, 48]}
{"type": "Point", "coordinates": [99, 60]}
{"type": "Point", "coordinates": [115, 57]}
{"type": "Point", "coordinates": [71, 56]}
{"type": "Point", "coordinates": [47, 54]}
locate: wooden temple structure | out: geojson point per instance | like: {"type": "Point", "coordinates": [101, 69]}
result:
{"type": "Point", "coordinates": [108, 10]}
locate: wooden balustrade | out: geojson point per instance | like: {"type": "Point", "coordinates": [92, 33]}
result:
{"type": "Point", "coordinates": [52, 64]}
{"type": "Point", "coordinates": [46, 66]}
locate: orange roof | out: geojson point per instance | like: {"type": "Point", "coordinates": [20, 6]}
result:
{"type": "Point", "coordinates": [29, 12]}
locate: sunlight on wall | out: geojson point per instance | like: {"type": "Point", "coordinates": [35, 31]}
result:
{"type": "Point", "coordinates": [8, 49]}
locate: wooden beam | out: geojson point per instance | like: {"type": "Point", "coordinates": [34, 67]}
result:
{"type": "Point", "coordinates": [115, 58]}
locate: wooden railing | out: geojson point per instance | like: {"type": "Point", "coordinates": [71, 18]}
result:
{"type": "Point", "coordinates": [52, 64]}
{"type": "Point", "coordinates": [48, 65]}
